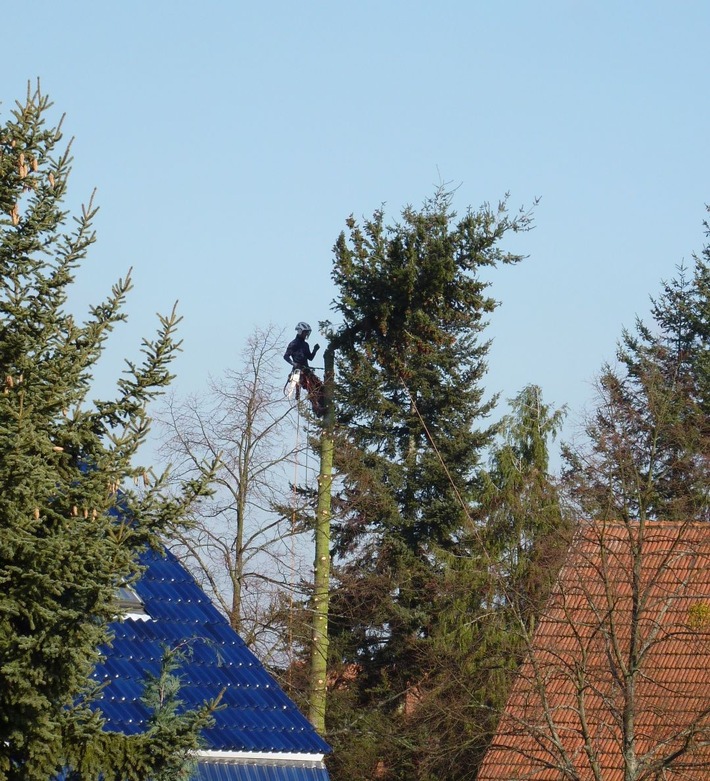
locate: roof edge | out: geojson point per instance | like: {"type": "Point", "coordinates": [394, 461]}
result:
{"type": "Point", "coordinates": [260, 757]}
{"type": "Point", "coordinates": [668, 524]}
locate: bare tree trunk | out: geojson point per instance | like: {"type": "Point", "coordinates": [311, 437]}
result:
{"type": "Point", "coordinates": [321, 579]}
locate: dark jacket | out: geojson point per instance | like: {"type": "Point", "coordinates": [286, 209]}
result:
{"type": "Point", "coordinates": [298, 353]}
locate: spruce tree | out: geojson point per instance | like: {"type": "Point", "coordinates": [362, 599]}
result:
{"type": "Point", "coordinates": [412, 426]}
{"type": "Point", "coordinates": [526, 528]}
{"type": "Point", "coordinates": [72, 521]}
{"type": "Point", "coordinates": [700, 321]}
{"type": "Point", "coordinates": [488, 600]}
{"type": "Point", "coordinates": [646, 452]}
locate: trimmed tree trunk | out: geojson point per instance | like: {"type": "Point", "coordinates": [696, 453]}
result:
{"type": "Point", "coordinates": [321, 568]}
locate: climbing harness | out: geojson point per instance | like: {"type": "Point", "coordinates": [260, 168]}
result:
{"type": "Point", "coordinates": [305, 378]}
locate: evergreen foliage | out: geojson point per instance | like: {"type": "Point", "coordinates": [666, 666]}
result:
{"type": "Point", "coordinates": [488, 600]}
{"type": "Point", "coordinates": [411, 567]}
{"type": "Point", "coordinates": [164, 752]}
{"type": "Point", "coordinates": [68, 537]}
{"type": "Point", "coordinates": [648, 440]}
{"type": "Point", "coordinates": [526, 527]}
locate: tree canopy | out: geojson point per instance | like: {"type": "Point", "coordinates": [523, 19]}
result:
{"type": "Point", "coordinates": [645, 455]}
{"type": "Point", "coordinates": [75, 507]}
{"type": "Point", "coordinates": [413, 427]}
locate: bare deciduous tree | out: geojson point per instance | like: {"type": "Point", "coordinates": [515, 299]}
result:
{"type": "Point", "coordinates": [615, 684]}
{"type": "Point", "coordinates": [243, 548]}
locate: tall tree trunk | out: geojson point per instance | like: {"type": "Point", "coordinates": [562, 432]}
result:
{"type": "Point", "coordinates": [321, 569]}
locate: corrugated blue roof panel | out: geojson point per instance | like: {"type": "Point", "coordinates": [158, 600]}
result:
{"type": "Point", "coordinates": [256, 714]}
{"type": "Point", "coordinates": [221, 771]}
{"type": "Point", "coordinates": [240, 772]}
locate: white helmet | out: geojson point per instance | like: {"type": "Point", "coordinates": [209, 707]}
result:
{"type": "Point", "coordinates": [303, 329]}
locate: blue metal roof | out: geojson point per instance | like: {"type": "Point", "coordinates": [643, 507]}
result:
{"type": "Point", "coordinates": [256, 714]}
{"type": "Point", "coordinates": [224, 772]}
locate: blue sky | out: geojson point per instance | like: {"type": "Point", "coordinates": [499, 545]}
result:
{"type": "Point", "coordinates": [228, 142]}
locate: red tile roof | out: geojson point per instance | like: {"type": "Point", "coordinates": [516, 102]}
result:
{"type": "Point", "coordinates": [566, 711]}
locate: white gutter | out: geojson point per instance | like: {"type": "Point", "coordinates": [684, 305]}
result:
{"type": "Point", "coordinates": [260, 757]}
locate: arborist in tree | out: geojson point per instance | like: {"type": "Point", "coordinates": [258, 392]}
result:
{"type": "Point", "coordinates": [298, 353]}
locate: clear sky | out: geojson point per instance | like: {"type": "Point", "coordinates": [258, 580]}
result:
{"type": "Point", "coordinates": [228, 141]}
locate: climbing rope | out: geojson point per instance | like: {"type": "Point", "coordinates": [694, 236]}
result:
{"type": "Point", "coordinates": [457, 493]}
{"type": "Point", "coordinates": [292, 579]}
